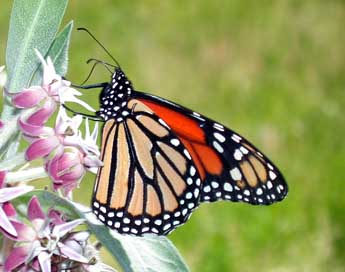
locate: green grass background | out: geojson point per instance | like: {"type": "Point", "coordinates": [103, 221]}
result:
{"type": "Point", "coordinates": [272, 70]}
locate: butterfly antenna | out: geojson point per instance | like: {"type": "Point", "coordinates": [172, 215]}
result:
{"type": "Point", "coordinates": [96, 62]}
{"type": "Point", "coordinates": [99, 43]}
{"type": "Point", "coordinates": [100, 61]}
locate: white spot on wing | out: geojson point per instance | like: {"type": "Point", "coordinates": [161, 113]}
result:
{"type": "Point", "coordinates": [238, 155]}
{"type": "Point", "coordinates": [167, 226]}
{"type": "Point", "coordinates": [259, 191]}
{"type": "Point", "coordinates": [189, 195]}
{"type": "Point", "coordinates": [187, 154]}
{"type": "Point", "coordinates": [119, 214]}
{"type": "Point", "coordinates": [162, 122]}
{"type": "Point", "coordinates": [218, 147]}
{"type": "Point", "coordinates": [219, 137]}
{"type": "Point", "coordinates": [207, 189]}
{"type": "Point", "coordinates": [192, 171]}
{"type": "Point", "coordinates": [269, 185]}
{"type": "Point", "coordinates": [158, 222]}
{"type": "Point", "coordinates": [218, 127]}
{"type": "Point", "coordinates": [175, 142]}
{"type": "Point", "coordinates": [272, 175]}
{"type": "Point", "coordinates": [111, 214]}
{"type": "Point", "coordinates": [196, 192]}
{"type": "Point", "coordinates": [154, 230]}
{"type": "Point", "coordinates": [236, 174]}
{"type": "Point", "coordinates": [214, 184]}
{"type": "Point", "coordinates": [228, 187]}
{"type": "Point", "coordinates": [244, 150]}
{"type": "Point", "coordinates": [236, 138]}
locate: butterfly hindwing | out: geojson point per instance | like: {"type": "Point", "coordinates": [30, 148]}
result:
{"type": "Point", "coordinates": [230, 167]}
{"type": "Point", "coordinates": [148, 183]}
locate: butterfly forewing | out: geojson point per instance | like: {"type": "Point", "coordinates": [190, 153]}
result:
{"type": "Point", "coordinates": [230, 167]}
{"type": "Point", "coordinates": [247, 175]}
{"type": "Point", "coordinates": [149, 183]}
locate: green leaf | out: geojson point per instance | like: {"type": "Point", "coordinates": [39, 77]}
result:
{"type": "Point", "coordinates": [134, 254]}
{"type": "Point", "coordinates": [58, 53]}
{"type": "Point", "coordinates": [151, 253]}
{"type": "Point", "coordinates": [59, 50]}
{"type": "Point", "coordinates": [33, 24]}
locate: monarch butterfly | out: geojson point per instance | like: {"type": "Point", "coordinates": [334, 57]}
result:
{"type": "Point", "coordinates": [162, 160]}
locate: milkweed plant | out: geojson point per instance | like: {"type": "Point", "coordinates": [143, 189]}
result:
{"type": "Point", "coordinates": [44, 229]}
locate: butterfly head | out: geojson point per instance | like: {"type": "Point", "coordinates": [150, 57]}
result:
{"type": "Point", "coordinates": [114, 96]}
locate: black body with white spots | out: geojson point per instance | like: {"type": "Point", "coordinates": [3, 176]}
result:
{"type": "Point", "coordinates": [114, 97]}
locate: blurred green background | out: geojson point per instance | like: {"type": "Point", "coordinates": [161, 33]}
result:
{"type": "Point", "coordinates": [272, 70]}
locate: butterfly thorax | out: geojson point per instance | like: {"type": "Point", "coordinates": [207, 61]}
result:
{"type": "Point", "coordinates": [114, 97]}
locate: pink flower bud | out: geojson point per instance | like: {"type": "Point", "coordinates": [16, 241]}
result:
{"type": "Point", "coordinates": [29, 98]}
{"type": "Point", "coordinates": [66, 170]}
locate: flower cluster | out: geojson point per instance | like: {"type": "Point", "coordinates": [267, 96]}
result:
{"type": "Point", "coordinates": [48, 243]}
{"type": "Point", "coordinates": [67, 155]}
{"type": "Point", "coordinates": [45, 98]}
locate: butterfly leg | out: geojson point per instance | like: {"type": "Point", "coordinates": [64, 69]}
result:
{"type": "Point", "coordinates": [86, 87]}
{"type": "Point", "coordinates": [88, 116]}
